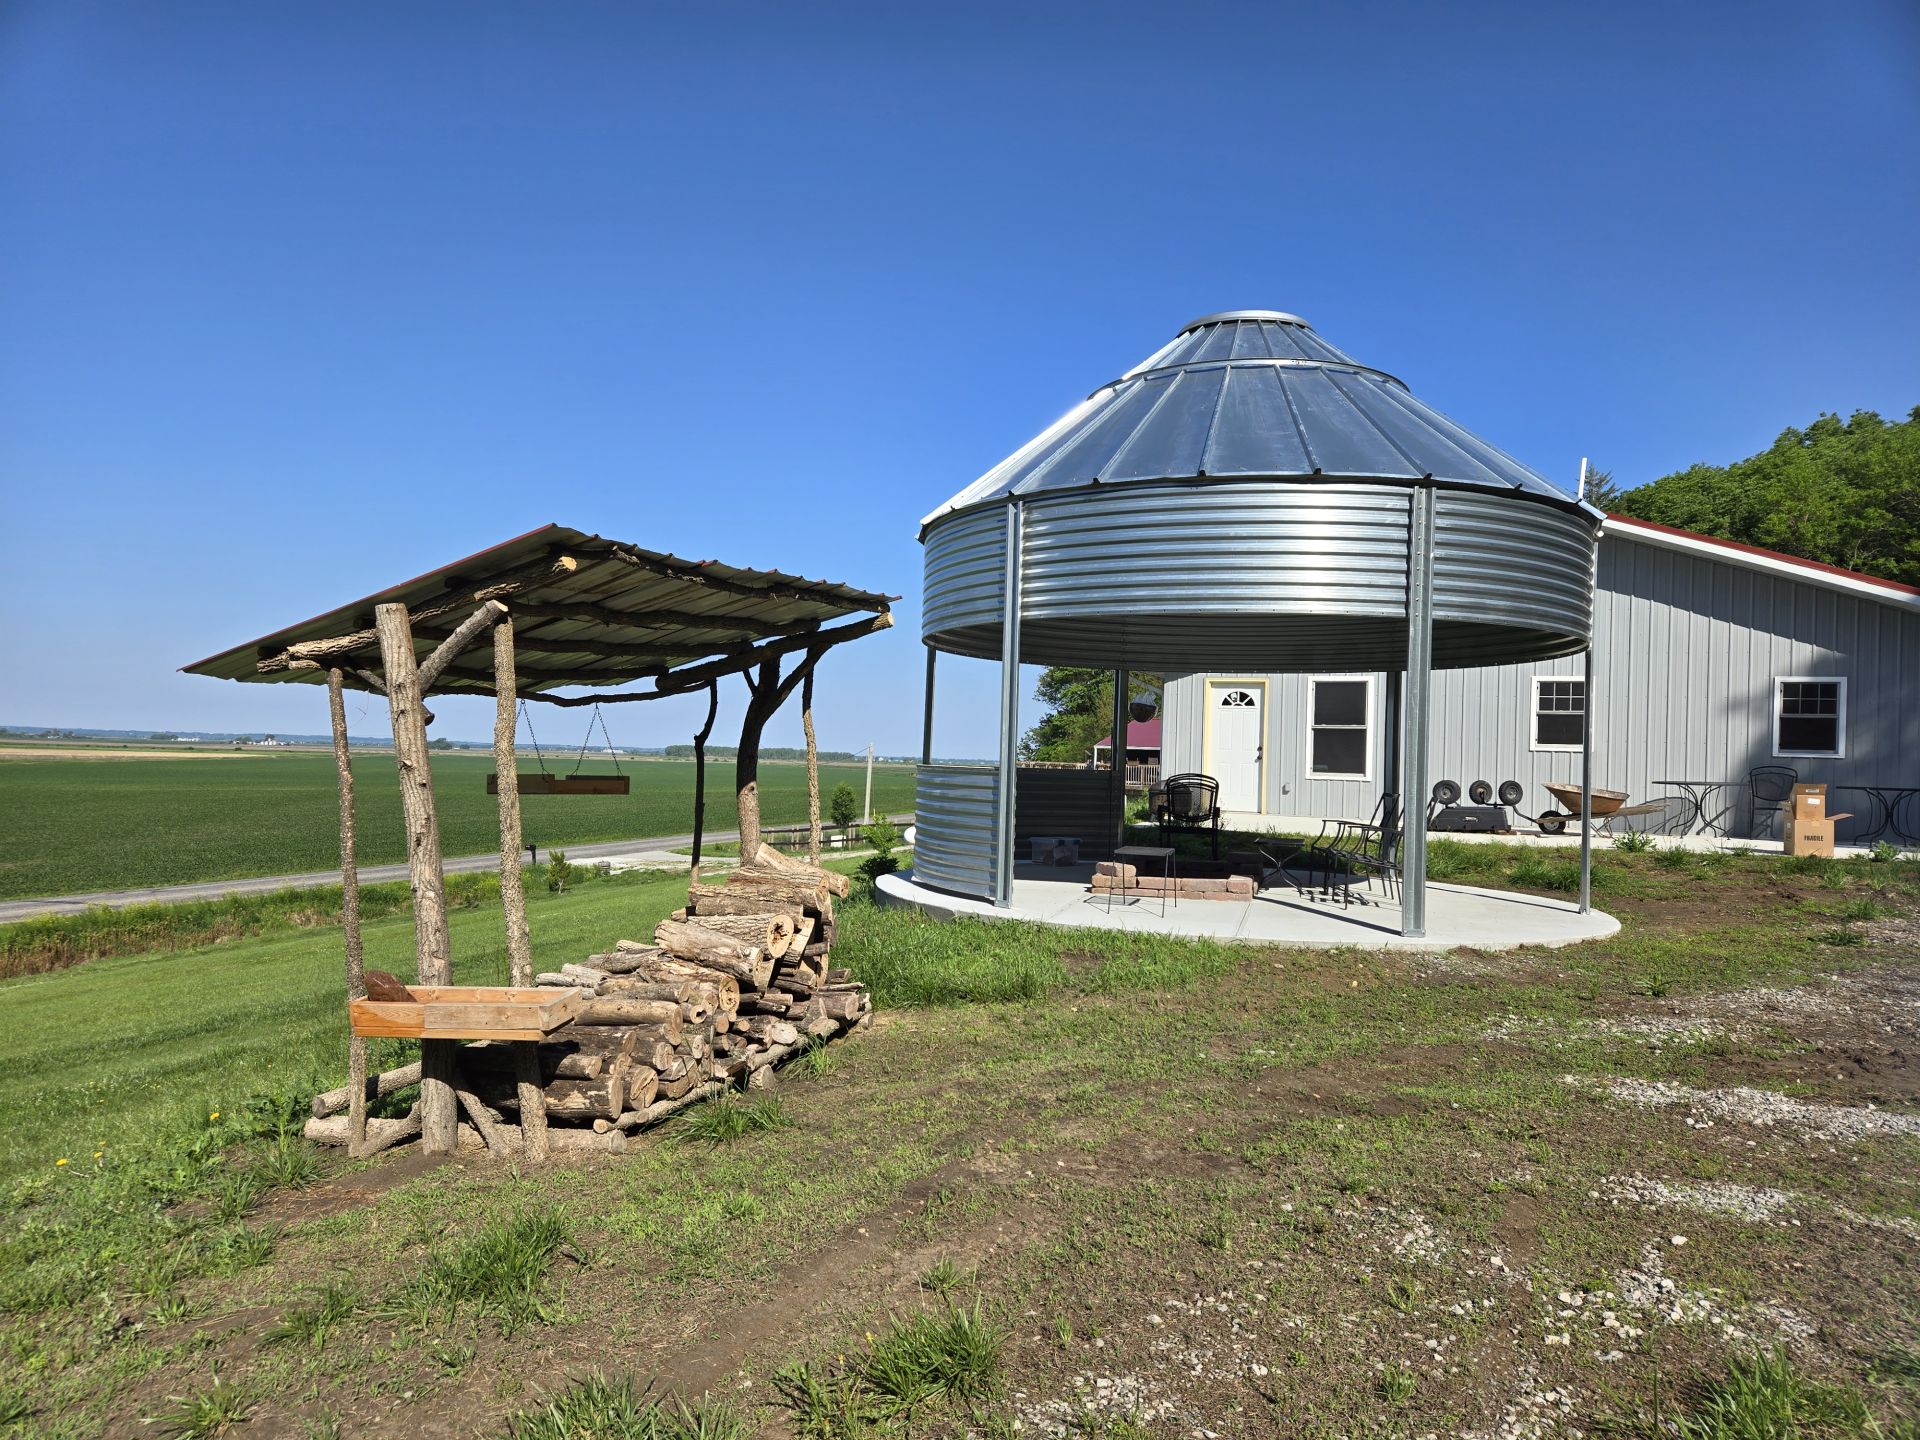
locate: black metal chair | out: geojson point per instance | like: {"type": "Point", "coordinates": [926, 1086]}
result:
{"type": "Point", "coordinates": [1374, 849]}
{"type": "Point", "coordinates": [1320, 855]}
{"type": "Point", "coordinates": [1769, 788]}
{"type": "Point", "coordinates": [1192, 803]}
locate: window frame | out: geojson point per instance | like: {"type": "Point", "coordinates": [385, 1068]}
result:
{"type": "Point", "coordinates": [1534, 743]}
{"type": "Point", "coordinates": [1839, 752]}
{"type": "Point", "coordinates": [1366, 728]}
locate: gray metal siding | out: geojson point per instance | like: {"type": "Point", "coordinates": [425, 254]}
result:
{"type": "Point", "coordinates": [1687, 650]}
{"type": "Point", "coordinates": [953, 812]}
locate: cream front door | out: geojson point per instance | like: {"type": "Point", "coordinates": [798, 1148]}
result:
{"type": "Point", "coordinates": [1235, 754]}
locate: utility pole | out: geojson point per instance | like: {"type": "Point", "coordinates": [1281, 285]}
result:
{"type": "Point", "coordinates": [869, 804]}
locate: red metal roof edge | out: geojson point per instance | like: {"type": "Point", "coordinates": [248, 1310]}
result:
{"type": "Point", "coordinates": [1796, 560]}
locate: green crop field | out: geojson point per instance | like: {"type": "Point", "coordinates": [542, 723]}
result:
{"type": "Point", "coordinates": [69, 825]}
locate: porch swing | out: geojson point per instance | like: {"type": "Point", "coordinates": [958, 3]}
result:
{"type": "Point", "coordinates": [544, 782]}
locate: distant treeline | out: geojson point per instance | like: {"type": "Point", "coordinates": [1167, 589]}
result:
{"type": "Point", "coordinates": [767, 752]}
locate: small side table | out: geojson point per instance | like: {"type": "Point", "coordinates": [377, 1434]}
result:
{"type": "Point", "coordinates": [1169, 872]}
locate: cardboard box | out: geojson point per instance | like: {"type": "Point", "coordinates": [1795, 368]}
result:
{"type": "Point", "coordinates": [1809, 829]}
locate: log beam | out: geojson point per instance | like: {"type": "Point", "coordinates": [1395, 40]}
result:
{"type": "Point", "coordinates": [464, 634]}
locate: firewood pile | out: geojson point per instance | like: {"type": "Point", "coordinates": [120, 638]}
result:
{"type": "Point", "coordinates": [728, 987]}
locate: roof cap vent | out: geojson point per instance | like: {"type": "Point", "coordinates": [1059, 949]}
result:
{"type": "Point", "coordinates": [1221, 317]}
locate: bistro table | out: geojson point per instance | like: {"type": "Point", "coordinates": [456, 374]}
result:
{"type": "Point", "coordinates": [1893, 808]}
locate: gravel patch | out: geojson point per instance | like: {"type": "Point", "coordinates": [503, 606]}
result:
{"type": "Point", "coordinates": [1764, 1109]}
{"type": "Point", "coordinates": [1707, 1197]}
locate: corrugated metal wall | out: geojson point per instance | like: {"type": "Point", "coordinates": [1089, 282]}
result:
{"type": "Point", "coordinates": [1688, 648]}
{"type": "Point", "coordinates": [953, 809]}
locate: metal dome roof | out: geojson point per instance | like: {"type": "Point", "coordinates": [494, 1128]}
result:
{"type": "Point", "coordinates": [1248, 394]}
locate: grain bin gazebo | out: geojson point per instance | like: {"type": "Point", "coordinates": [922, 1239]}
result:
{"type": "Point", "coordinates": [1247, 498]}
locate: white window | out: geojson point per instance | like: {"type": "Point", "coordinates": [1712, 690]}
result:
{"type": "Point", "coordinates": [1809, 715]}
{"type": "Point", "coordinates": [1559, 710]}
{"type": "Point", "coordinates": [1340, 715]}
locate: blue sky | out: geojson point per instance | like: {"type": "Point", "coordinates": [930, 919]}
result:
{"type": "Point", "coordinates": [301, 299]}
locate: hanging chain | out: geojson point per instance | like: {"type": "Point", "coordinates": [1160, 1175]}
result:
{"type": "Point", "coordinates": [526, 719]}
{"type": "Point", "coordinates": [597, 718]}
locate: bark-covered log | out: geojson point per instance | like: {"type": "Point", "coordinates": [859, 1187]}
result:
{"type": "Point", "coordinates": [586, 976]}
{"type": "Point", "coordinates": [771, 932]}
{"type": "Point", "coordinates": [624, 960]}
{"type": "Point", "coordinates": [766, 1030]}
{"type": "Point", "coordinates": [332, 1102]}
{"type": "Point", "coordinates": [566, 1099]}
{"type": "Point", "coordinates": [706, 900]}
{"type": "Point", "coordinates": [777, 885]}
{"type": "Point", "coordinates": [613, 1142]}
{"type": "Point", "coordinates": [625, 1010]}
{"type": "Point", "coordinates": [768, 858]}
{"type": "Point", "coordinates": [721, 992]}
{"type": "Point", "coordinates": [691, 940]}
{"type": "Point", "coordinates": [334, 1130]}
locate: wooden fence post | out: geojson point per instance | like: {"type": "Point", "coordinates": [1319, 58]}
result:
{"type": "Point", "coordinates": [813, 769]}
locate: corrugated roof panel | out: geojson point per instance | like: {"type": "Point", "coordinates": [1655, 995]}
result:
{"type": "Point", "coordinates": [1344, 441]}
{"type": "Point", "coordinates": [1176, 438]}
{"type": "Point", "coordinates": [1254, 432]}
{"type": "Point", "coordinates": [1289, 404]}
{"type": "Point", "coordinates": [1082, 460]}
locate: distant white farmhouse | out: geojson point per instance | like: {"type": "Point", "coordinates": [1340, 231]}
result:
{"type": "Point", "coordinates": [1712, 659]}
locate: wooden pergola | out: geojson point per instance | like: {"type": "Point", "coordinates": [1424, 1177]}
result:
{"type": "Point", "coordinates": [563, 610]}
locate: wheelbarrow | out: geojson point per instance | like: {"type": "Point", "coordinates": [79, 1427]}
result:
{"type": "Point", "coordinates": [1607, 805]}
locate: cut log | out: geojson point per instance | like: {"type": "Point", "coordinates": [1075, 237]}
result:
{"type": "Point", "coordinates": [767, 1002]}
{"type": "Point", "coordinates": [586, 975]}
{"type": "Point", "coordinates": [793, 890]}
{"type": "Point", "coordinates": [641, 987]}
{"type": "Point", "coordinates": [803, 934]}
{"type": "Point", "coordinates": [613, 1142]}
{"type": "Point", "coordinates": [487, 1121]}
{"type": "Point", "coordinates": [717, 991]}
{"type": "Point", "coordinates": [623, 960]}
{"type": "Point", "coordinates": [624, 1010]}
{"type": "Point", "coordinates": [332, 1102]}
{"type": "Point", "coordinates": [768, 858]}
{"type": "Point", "coordinates": [381, 1134]}
{"type": "Point", "coordinates": [708, 900]}
{"type": "Point", "coordinates": [691, 940]}
{"type": "Point", "coordinates": [566, 1099]}
{"type": "Point", "coordinates": [766, 1030]}
{"type": "Point", "coordinates": [676, 1087]}
{"type": "Point", "coordinates": [556, 1062]}
{"type": "Point", "coordinates": [771, 932]}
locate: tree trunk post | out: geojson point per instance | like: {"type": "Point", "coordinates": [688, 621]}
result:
{"type": "Point", "coordinates": [349, 916]}
{"type": "Point", "coordinates": [700, 775]}
{"type": "Point", "coordinates": [813, 770]}
{"type": "Point", "coordinates": [513, 894]}
{"type": "Point", "coordinates": [439, 1109]}
{"type": "Point", "coordinates": [746, 768]}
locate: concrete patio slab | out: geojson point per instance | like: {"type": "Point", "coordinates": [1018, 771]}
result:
{"type": "Point", "coordinates": [1457, 915]}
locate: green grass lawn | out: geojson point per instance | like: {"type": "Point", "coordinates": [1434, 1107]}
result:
{"type": "Point", "coordinates": [108, 824]}
{"type": "Point", "coordinates": [1070, 1183]}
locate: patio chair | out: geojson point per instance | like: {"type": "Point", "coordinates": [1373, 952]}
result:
{"type": "Point", "coordinates": [1373, 849]}
{"type": "Point", "coordinates": [1192, 803]}
{"type": "Point", "coordinates": [1769, 788]}
{"type": "Point", "coordinates": [1321, 855]}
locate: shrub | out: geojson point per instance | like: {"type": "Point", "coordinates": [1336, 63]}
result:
{"type": "Point", "coordinates": [560, 873]}
{"type": "Point", "coordinates": [845, 806]}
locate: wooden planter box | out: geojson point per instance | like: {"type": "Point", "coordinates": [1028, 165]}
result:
{"type": "Point", "coordinates": [468, 1012]}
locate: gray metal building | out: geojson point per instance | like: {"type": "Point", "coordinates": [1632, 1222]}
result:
{"type": "Point", "coordinates": [1711, 659]}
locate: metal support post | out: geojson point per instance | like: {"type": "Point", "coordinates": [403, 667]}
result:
{"type": "Point", "coordinates": [1009, 714]}
{"type": "Point", "coordinates": [926, 717]}
{"type": "Point", "coordinates": [1416, 717]}
{"type": "Point", "coordinates": [1586, 782]}
{"type": "Point", "coordinates": [1117, 754]}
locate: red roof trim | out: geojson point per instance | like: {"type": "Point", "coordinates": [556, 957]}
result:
{"type": "Point", "coordinates": [1798, 561]}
